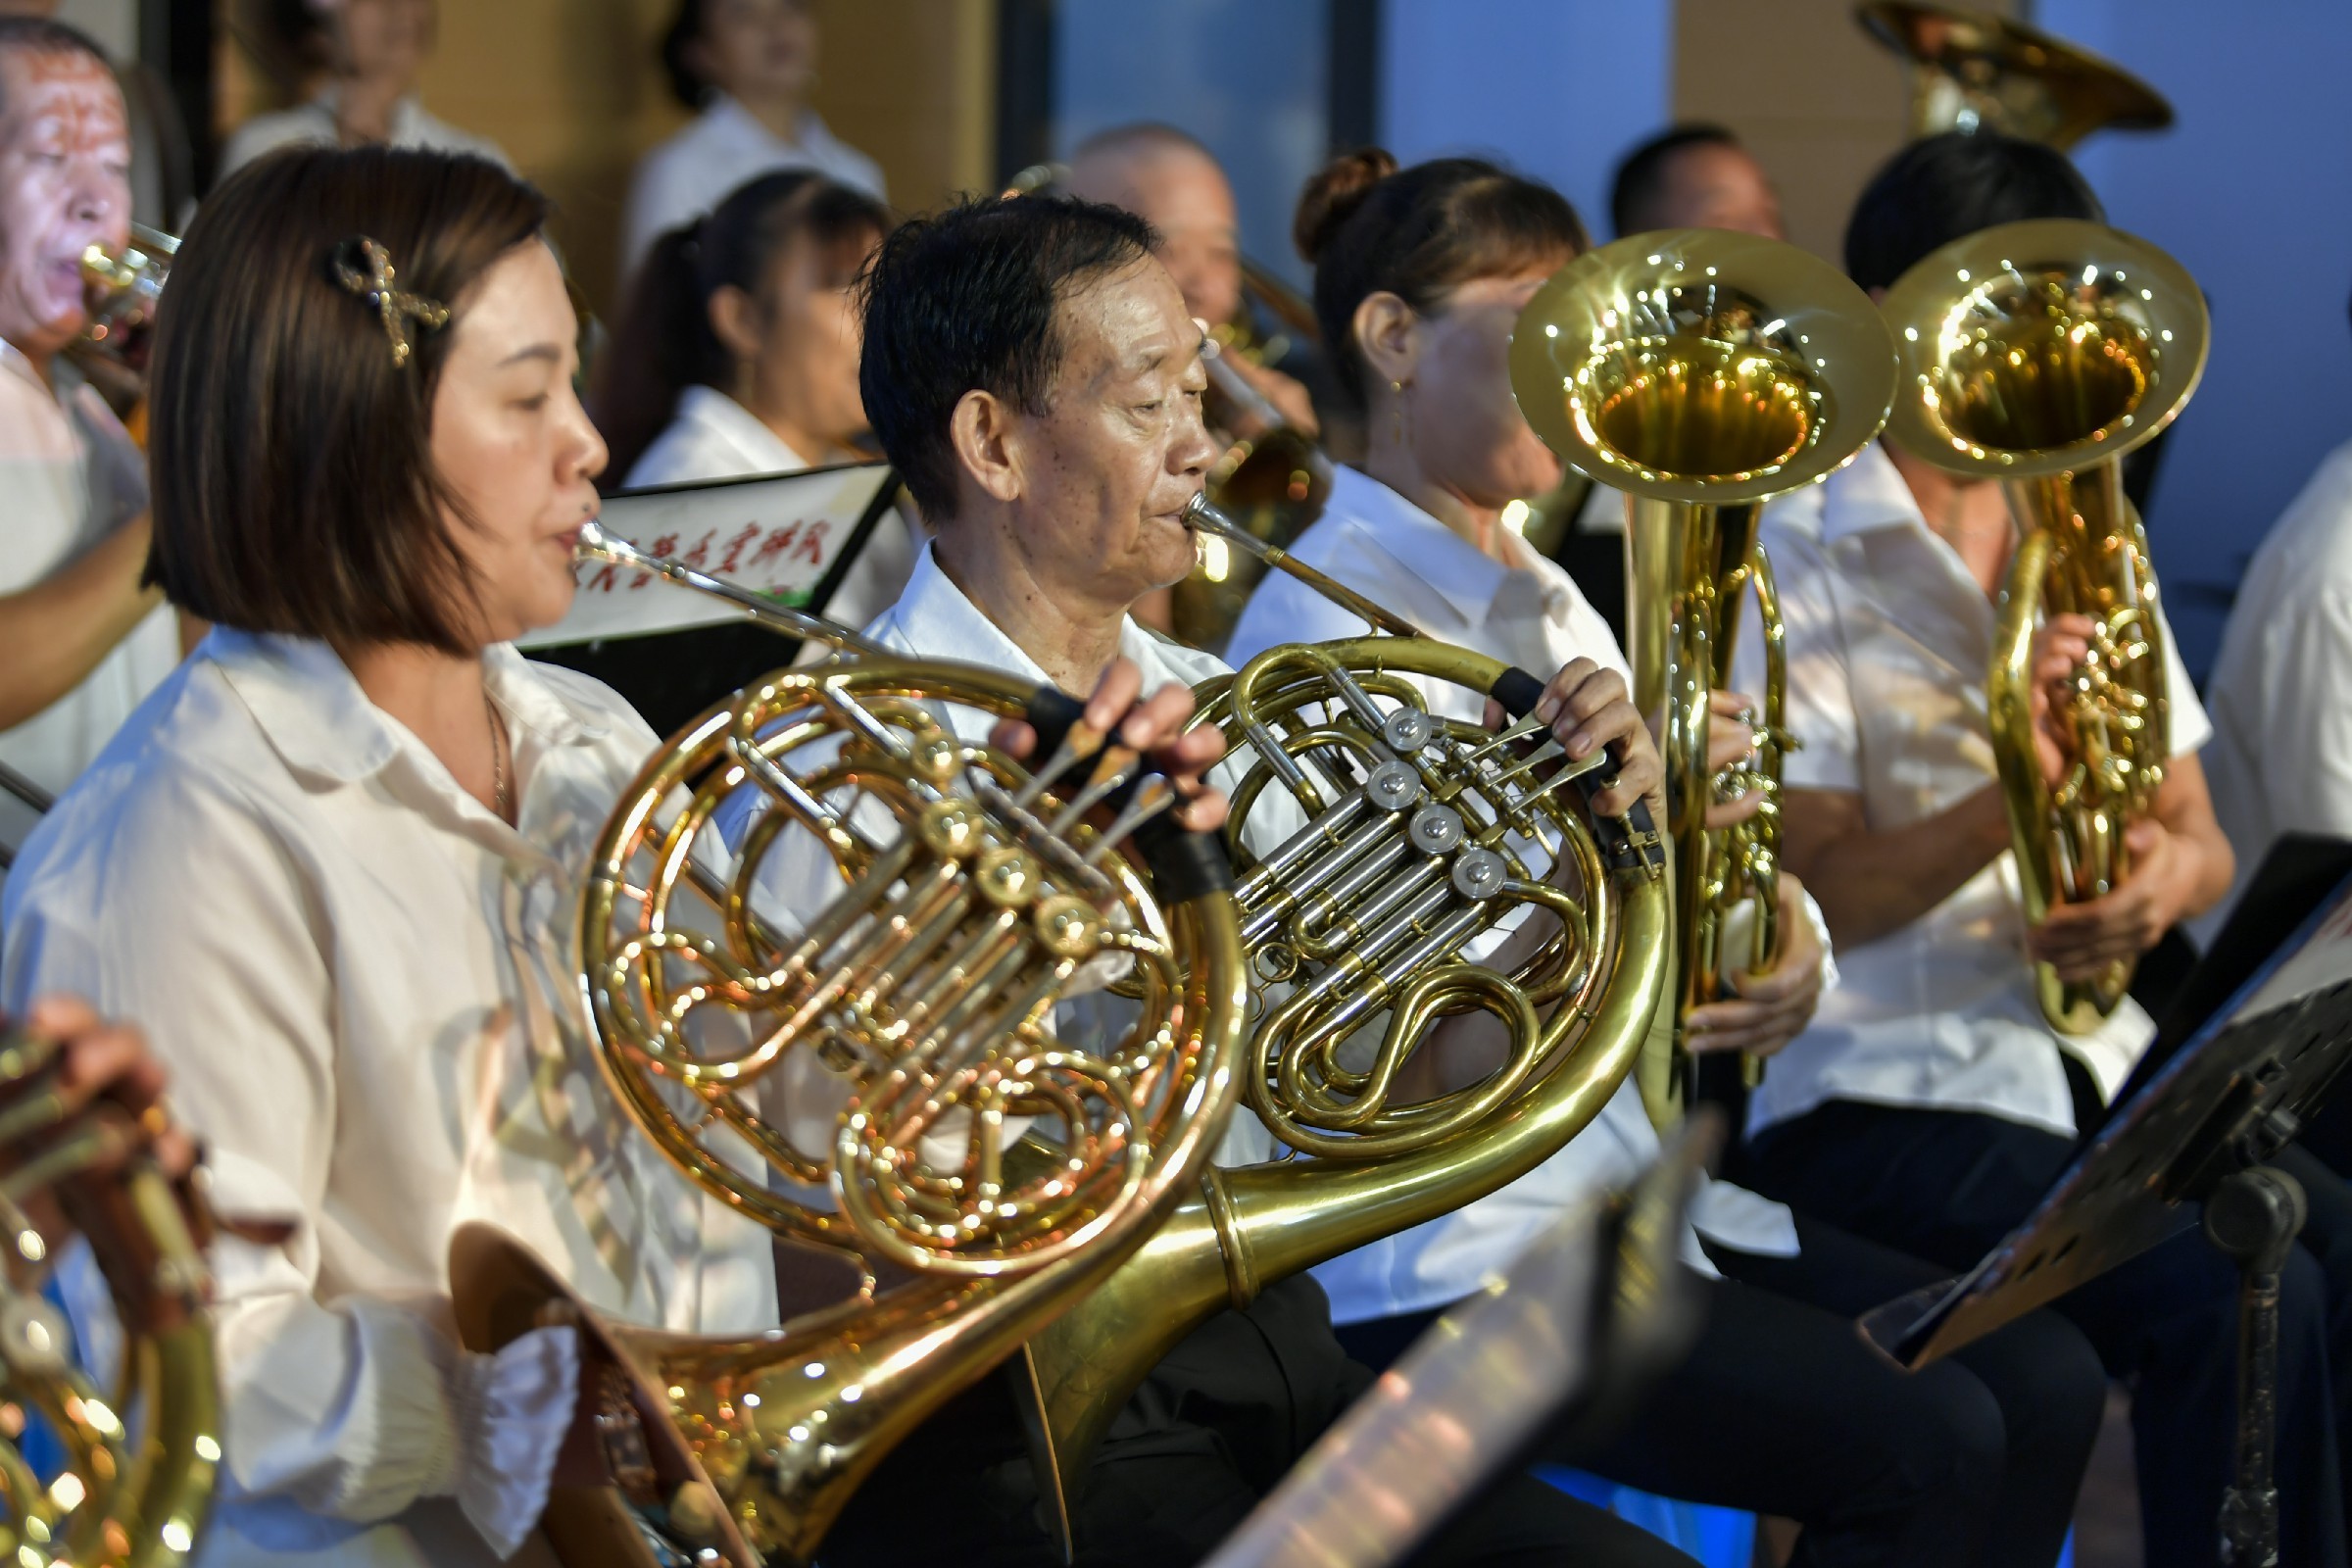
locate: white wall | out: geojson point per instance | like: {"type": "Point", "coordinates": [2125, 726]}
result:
{"type": "Point", "coordinates": [1556, 88]}
{"type": "Point", "coordinates": [2252, 190]}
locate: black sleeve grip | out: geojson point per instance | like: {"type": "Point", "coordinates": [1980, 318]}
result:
{"type": "Point", "coordinates": [1184, 864]}
{"type": "Point", "coordinates": [1627, 843]}
{"type": "Point", "coordinates": [1051, 714]}
{"type": "Point", "coordinates": [1517, 691]}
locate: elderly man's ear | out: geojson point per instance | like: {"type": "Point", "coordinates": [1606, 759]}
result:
{"type": "Point", "coordinates": [987, 440]}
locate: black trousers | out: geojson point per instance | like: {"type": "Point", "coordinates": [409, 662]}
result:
{"type": "Point", "coordinates": [1783, 1409]}
{"type": "Point", "coordinates": [1948, 1185]}
{"type": "Point", "coordinates": [1209, 1434]}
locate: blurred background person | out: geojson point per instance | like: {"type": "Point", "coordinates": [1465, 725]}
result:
{"type": "Point", "coordinates": [746, 67]}
{"type": "Point", "coordinates": [738, 355]}
{"type": "Point", "coordinates": [1693, 176]}
{"type": "Point", "coordinates": [362, 58]}
{"type": "Point", "coordinates": [84, 640]}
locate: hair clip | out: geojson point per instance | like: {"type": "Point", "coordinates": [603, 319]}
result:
{"type": "Point", "coordinates": [364, 268]}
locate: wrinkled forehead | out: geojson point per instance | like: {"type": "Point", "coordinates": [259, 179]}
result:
{"type": "Point", "coordinates": [1122, 324]}
{"type": "Point", "coordinates": [64, 84]}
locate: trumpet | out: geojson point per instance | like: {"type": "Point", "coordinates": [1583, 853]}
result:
{"type": "Point", "coordinates": [124, 289]}
{"type": "Point", "coordinates": [1421, 836]}
{"type": "Point", "coordinates": [978, 1175]}
{"type": "Point", "coordinates": [1702, 373]}
{"type": "Point", "coordinates": [2038, 354]}
{"type": "Point", "coordinates": [142, 1455]}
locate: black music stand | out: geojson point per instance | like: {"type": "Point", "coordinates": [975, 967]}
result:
{"type": "Point", "coordinates": [1588, 1317]}
{"type": "Point", "coordinates": [2258, 1036]}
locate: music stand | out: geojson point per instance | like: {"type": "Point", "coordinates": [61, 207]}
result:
{"type": "Point", "coordinates": [2262, 1030]}
{"type": "Point", "coordinates": [1594, 1311]}
{"type": "Point", "coordinates": [672, 652]}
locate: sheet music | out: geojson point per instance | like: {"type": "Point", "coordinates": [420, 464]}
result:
{"type": "Point", "coordinates": [773, 535]}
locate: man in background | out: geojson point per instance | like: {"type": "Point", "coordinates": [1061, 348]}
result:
{"type": "Point", "coordinates": [1693, 176]}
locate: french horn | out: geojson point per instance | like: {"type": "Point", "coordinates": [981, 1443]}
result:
{"type": "Point", "coordinates": [1701, 372]}
{"type": "Point", "coordinates": [1417, 843]}
{"type": "Point", "coordinates": [2038, 354]}
{"type": "Point", "coordinates": [142, 1455]}
{"type": "Point", "coordinates": [976, 1175]}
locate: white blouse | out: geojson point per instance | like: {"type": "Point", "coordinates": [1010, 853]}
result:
{"type": "Point", "coordinates": [365, 984]}
{"type": "Point", "coordinates": [713, 436]}
{"type": "Point", "coordinates": [1890, 639]}
{"type": "Point", "coordinates": [1532, 614]}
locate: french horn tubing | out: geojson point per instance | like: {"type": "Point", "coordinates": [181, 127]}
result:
{"type": "Point", "coordinates": [1422, 837]}
{"type": "Point", "coordinates": [141, 1456]}
{"type": "Point", "coordinates": [1701, 372]}
{"type": "Point", "coordinates": [977, 1175]}
{"type": "Point", "coordinates": [2038, 354]}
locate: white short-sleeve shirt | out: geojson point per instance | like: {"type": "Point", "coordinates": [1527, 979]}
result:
{"type": "Point", "coordinates": [1890, 639]}
{"type": "Point", "coordinates": [313, 124]}
{"type": "Point", "coordinates": [719, 149]}
{"type": "Point", "coordinates": [2282, 755]}
{"type": "Point", "coordinates": [712, 436]}
{"type": "Point", "coordinates": [72, 475]}
{"type": "Point", "coordinates": [365, 987]}
{"type": "Point", "coordinates": [1532, 614]}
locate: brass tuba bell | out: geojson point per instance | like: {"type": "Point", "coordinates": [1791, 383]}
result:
{"type": "Point", "coordinates": [937, 900]}
{"type": "Point", "coordinates": [2038, 354]}
{"type": "Point", "coordinates": [1971, 68]}
{"type": "Point", "coordinates": [1701, 372]}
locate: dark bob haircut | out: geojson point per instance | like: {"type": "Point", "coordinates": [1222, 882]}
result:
{"type": "Point", "coordinates": [1642, 175]}
{"type": "Point", "coordinates": [1936, 190]}
{"type": "Point", "coordinates": [291, 458]}
{"type": "Point", "coordinates": [965, 302]}
{"type": "Point", "coordinates": [1419, 234]}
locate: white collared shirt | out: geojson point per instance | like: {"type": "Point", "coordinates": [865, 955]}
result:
{"type": "Point", "coordinates": [719, 149]}
{"type": "Point", "coordinates": [72, 476]}
{"type": "Point", "coordinates": [365, 988]}
{"type": "Point", "coordinates": [1890, 639]}
{"type": "Point", "coordinates": [712, 436]}
{"type": "Point", "coordinates": [314, 125]}
{"type": "Point", "coordinates": [1532, 614]}
{"type": "Point", "coordinates": [2282, 755]}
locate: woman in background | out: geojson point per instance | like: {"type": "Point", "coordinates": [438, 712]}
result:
{"type": "Point", "coordinates": [747, 66]}
{"type": "Point", "coordinates": [738, 355]}
{"type": "Point", "coordinates": [365, 56]}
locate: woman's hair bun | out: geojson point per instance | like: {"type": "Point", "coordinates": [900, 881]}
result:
{"type": "Point", "coordinates": [1332, 195]}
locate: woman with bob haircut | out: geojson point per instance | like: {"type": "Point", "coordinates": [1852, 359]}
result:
{"type": "Point", "coordinates": [332, 862]}
{"type": "Point", "coordinates": [1780, 1408]}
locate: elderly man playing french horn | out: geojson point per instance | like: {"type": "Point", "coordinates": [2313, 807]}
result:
{"type": "Point", "coordinates": [1033, 373]}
